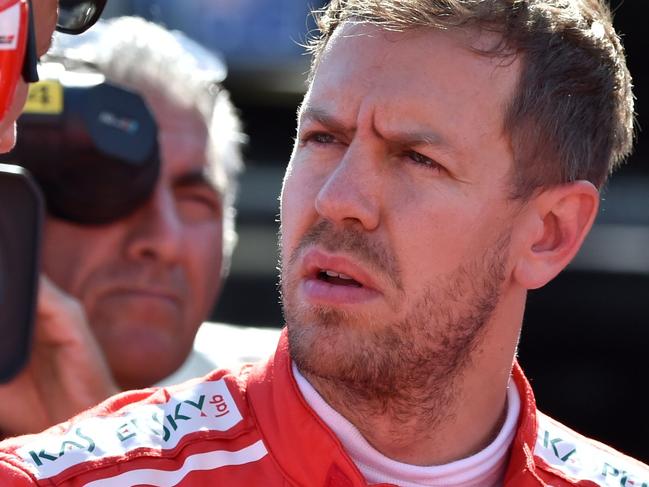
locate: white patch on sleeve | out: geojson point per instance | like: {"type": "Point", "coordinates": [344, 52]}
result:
{"type": "Point", "coordinates": [200, 461]}
{"type": "Point", "coordinates": [208, 406]}
{"type": "Point", "coordinates": [9, 27]}
{"type": "Point", "coordinates": [575, 457]}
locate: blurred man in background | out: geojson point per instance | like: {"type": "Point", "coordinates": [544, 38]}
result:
{"type": "Point", "coordinates": [146, 281]}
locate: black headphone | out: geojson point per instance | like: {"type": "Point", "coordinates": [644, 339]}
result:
{"type": "Point", "coordinates": [90, 145]}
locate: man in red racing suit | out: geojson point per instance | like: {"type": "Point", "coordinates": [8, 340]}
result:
{"type": "Point", "coordinates": [255, 429]}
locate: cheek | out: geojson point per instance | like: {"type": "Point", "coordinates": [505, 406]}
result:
{"type": "Point", "coordinates": [287, 213]}
{"type": "Point", "coordinates": [456, 238]}
{"type": "Point", "coordinates": [431, 234]}
{"type": "Point", "coordinates": [297, 209]}
{"type": "Point", "coordinates": [70, 257]}
{"type": "Point", "coordinates": [204, 254]}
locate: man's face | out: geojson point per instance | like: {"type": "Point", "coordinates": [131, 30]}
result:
{"type": "Point", "coordinates": [149, 280]}
{"type": "Point", "coordinates": [45, 15]}
{"type": "Point", "coordinates": [395, 222]}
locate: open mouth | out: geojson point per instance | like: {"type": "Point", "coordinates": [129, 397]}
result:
{"type": "Point", "coordinates": [337, 278]}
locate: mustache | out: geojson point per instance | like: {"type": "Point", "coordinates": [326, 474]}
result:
{"type": "Point", "coordinates": [354, 242]}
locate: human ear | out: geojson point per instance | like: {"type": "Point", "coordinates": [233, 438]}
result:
{"type": "Point", "coordinates": [558, 220]}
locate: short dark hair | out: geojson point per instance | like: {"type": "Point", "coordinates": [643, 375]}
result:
{"type": "Point", "coordinates": [571, 116]}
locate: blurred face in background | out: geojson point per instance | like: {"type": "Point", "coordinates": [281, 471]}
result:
{"type": "Point", "coordinates": [45, 15]}
{"type": "Point", "coordinates": [149, 280]}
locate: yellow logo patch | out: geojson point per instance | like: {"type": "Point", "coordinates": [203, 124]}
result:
{"type": "Point", "coordinates": [45, 97]}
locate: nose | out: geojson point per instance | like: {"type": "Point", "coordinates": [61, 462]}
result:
{"type": "Point", "coordinates": [156, 230]}
{"type": "Point", "coordinates": [352, 192]}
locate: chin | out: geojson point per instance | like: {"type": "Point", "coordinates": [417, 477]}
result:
{"type": "Point", "coordinates": [139, 374]}
{"type": "Point", "coordinates": [141, 361]}
{"type": "Point", "coordinates": [325, 342]}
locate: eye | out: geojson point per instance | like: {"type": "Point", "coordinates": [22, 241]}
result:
{"type": "Point", "coordinates": [197, 205]}
{"type": "Point", "coordinates": [422, 160]}
{"type": "Point", "coordinates": [321, 138]}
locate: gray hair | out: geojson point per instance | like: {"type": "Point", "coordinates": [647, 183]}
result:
{"type": "Point", "coordinates": [144, 57]}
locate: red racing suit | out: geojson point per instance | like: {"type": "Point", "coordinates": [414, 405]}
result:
{"type": "Point", "coordinates": [255, 429]}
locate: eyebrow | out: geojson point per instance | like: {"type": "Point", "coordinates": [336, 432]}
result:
{"type": "Point", "coordinates": [195, 177]}
{"type": "Point", "coordinates": [417, 137]}
{"type": "Point", "coordinates": [325, 118]}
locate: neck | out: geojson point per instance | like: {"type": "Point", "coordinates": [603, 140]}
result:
{"type": "Point", "coordinates": [439, 421]}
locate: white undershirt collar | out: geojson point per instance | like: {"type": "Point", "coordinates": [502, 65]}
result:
{"type": "Point", "coordinates": [483, 469]}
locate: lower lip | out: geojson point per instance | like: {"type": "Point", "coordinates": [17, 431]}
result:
{"type": "Point", "coordinates": [318, 291]}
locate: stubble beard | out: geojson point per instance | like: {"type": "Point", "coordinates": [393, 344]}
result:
{"type": "Point", "coordinates": [405, 369]}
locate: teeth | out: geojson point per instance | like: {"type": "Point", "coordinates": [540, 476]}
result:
{"type": "Point", "coordinates": [337, 274]}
